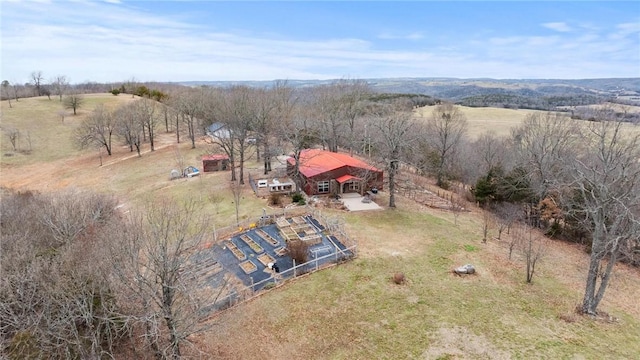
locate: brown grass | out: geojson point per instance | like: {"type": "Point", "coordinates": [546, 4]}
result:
{"type": "Point", "coordinates": [353, 311]}
{"type": "Point", "coordinates": [500, 121]}
{"type": "Point", "coordinates": [483, 120]}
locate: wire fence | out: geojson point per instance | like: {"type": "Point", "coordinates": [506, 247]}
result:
{"type": "Point", "coordinates": [268, 217]}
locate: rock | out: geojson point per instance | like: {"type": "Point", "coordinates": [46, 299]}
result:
{"type": "Point", "coordinates": [399, 278]}
{"type": "Point", "coordinates": [466, 269]}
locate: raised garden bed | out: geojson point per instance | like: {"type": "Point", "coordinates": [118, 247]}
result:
{"type": "Point", "coordinates": [266, 259]}
{"type": "Point", "coordinates": [252, 244]}
{"type": "Point", "coordinates": [268, 238]}
{"type": "Point", "coordinates": [248, 267]}
{"type": "Point", "coordinates": [299, 220]}
{"type": "Point", "coordinates": [281, 251]}
{"type": "Point", "coordinates": [235, 251]}
{"type": "Point", "coordinates": [289, 234]}
{"type": "Point", "coordinates": [301, 228]}
{"type": "Point", "coordinates": [312, 239]}
{"type": "Point", "coordinates": [282, 223]}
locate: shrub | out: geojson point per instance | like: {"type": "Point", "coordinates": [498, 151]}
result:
{"type": "Point", "coordinates": [269, 285]}
{"type": "Point", "coordinates": [115, 92]}
{"type": "Point", "coordinates": [297, 197]}
{"type": "Point", "coordinates": [298, 251]}
{"type": "Point", "coordinates": [275, 199]}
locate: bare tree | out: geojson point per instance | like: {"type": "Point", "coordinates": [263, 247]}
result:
{"type": "Point", "coordinates": [488, 152]}
{"type": "Point", "coordinates": [299, 131]}
{"type": "Point", "coordinates": [236, 191]}
{"type": "Point", "coordinates": [327, 114]}
{"type": "Point", "coordinates": [145, 111]}
{"type": "Point", "coordinates": [14, 87]}
{"type": "Point", "coordinates": [396, 133]}
{"type": "Point", "coordinates": [59, 85]}
{"type": "Point", "coordinates": [190, 104]}
{"type": "Point", "coordinates": [271, 106]}
{"type": "Point", "coordinates": [456, 206]}
{"type": "Point", "coordinates": [242, 114]}
{"type": "Point", "coordinates": [55, 295]}
{"type": "Point", "coordinates": [128, 127]}
{"type": "Point", "coordinates": [487, 222]}
{"type": "Point", "coordinates": [605, 178]}
{"type": "Point", "coordinates": [217, 114]}
{"type": "Point", "coordinates": [353, 109]}
{"type": "Point", "coordinates": [36, 79]}
{"type": "Point", "coordinates": [446, 128]}
{"type": "Point", "coordinates": [97, 130]}
{"type": "Point", "coordinates": [541, 143]}
{"type": "Point", "coordinates": [13, 134]}
{"type": "Point", "coordinates": [232, 108]}
{"type": "Point", "coordinates": [505, 215]}
{"type": "Point", "coordinates": [62, 113]}
{"type": "Point", "coordinates": [153, 260]}
{"type": "Point", "coordinates": [339, 106]}
{"type": "Point", "coordinates": [5, 91]}
{"type": "Point", "coordinates": [73, 101]}
{"type": "Point", "coordinates": [533, 247]}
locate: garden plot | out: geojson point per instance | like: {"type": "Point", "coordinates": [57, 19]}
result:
{"type": "Point", "coordinates": [246, 256]}
{"type": "Point", "coordinates": [266, 237]}
{"type": "Point", "coordinates": [248, 267]}
{"type": "Point", "coordinates": [252, 244]}
{"type": "Point", "coordinates": [239, 254]}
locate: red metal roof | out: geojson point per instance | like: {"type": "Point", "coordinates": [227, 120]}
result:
{"type": "Point", "coordinates": [316, 161]}
{"type": "Point", "coordinates": [344, 178]}
{"type": "Point", "coordinates": [215, 157]}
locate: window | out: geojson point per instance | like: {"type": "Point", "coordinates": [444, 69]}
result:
{"type": "Point", "coordinates": [323, 187]}
{"type": "Point", "coordinates": [354, 186]}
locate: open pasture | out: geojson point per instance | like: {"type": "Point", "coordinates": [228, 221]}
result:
{"type": "Point", "coordinates": [500, 122]}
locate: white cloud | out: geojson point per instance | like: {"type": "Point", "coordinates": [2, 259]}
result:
{"type": "Point", "coordinates": [106, 42]}
{"type": "Point", "coordinates": [409, 36]}
{"type": "Point", "coordinates": [558, 26]}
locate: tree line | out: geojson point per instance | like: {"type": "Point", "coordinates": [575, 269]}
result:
{"type": "Point", "coordinates": [576, 180]}
{"type": "Point", "coordinates": [81, 280]}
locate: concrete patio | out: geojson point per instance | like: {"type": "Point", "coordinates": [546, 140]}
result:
{"type": "Point", "coordinates": [353, 202]}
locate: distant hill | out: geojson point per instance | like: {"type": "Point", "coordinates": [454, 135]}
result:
{"type": "Point", "coordinates": [544, 94]}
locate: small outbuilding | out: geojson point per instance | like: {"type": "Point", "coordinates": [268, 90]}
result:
{"type": "Point", "coordinates": [215, 162]}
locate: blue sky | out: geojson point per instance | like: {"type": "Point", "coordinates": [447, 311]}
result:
{"type": "Point", "coordinates": [116, 40]}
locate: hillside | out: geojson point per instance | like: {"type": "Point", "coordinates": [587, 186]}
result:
{"type": "Point", "coordinates": [354, 310]}
{"type": "Point", "coordinates": [541, 94]}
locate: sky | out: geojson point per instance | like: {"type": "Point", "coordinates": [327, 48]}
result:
{"type": "Point", "coordinates": [119, 40]}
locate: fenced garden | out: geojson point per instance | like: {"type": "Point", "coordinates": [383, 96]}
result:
{"type": "Point", "coordinates": [263, 253]}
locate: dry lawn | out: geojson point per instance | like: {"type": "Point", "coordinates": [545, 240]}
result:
{"type": "Point", "coordinates": [500, 121]}
{"type": "Point", "coordinates": [44, 135]}
{"type": "Point", "coordinates": [354, 310]}
{"type": "Point", "coordinates": [483, 120]}
{"type": "Point", "coordinates": [56, 163]}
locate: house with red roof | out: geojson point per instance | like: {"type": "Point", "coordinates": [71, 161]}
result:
{"type": "Point", "coordinates": [325, 172]}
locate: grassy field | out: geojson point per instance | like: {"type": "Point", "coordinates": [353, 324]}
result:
{"type": "Point", "coordinates": [354, 311]}
{"type": "Point", "coordinates": [44, 135]}
{"type": "Point", "coordinates": [500, 121]}
{"type": "Point", "coordinates": [56, 163]}
{"type": "Point", "coordinates": [483, 120]}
